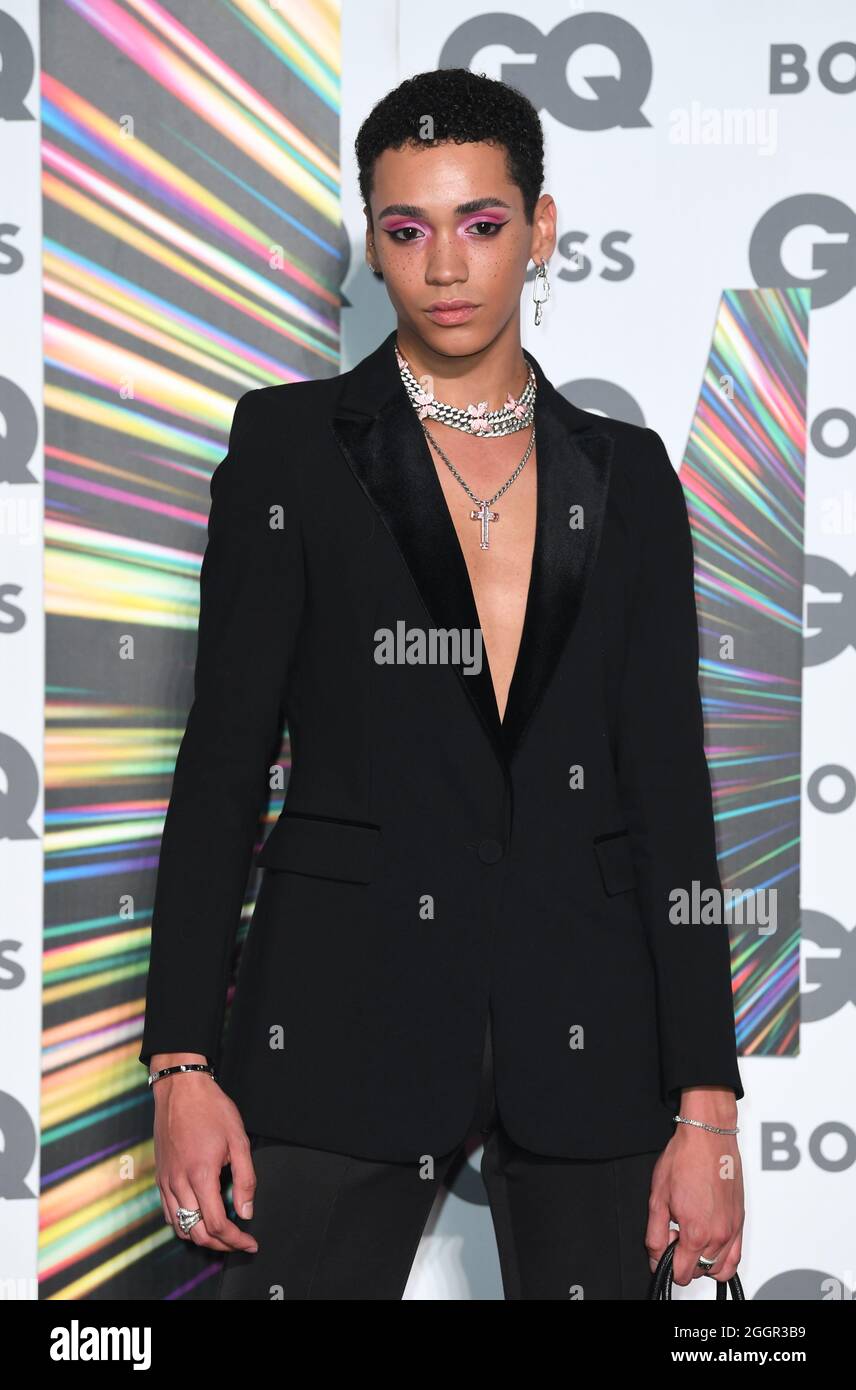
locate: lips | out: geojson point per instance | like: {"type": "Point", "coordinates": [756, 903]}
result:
{"type": "Point", "coordinates": [452, 311]}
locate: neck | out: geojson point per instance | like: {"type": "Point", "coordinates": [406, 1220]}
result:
{"type": "Point", "coordinates": [486, 375]}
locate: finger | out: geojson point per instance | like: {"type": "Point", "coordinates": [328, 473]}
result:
{"type": "Point", "coordinates": [657, 1241]}
{"type": "Point", "coordinates": [216, 1222]}
{"type": "Point", "coordinates": [732, 1258]}
{"type": "Point", "coordinates": [243, 1175]}
{"type": "Point", "coordinates": [710, 1252]}
{"type": "Point", "coordinates": [201, 1236]}
{"type": "Point", "coordinates": [657, 1232]}
{"type": "Point", "coordinates": [716, 1249]}
{"type": "Point", "coordinates": [174, 1200]}
{"type": "Point", "coordinates": [692, 1243]}
{"type": "Point", "coordinates": [184, 1195]}
{"type": "Point", "coordinates": [167, 1214]}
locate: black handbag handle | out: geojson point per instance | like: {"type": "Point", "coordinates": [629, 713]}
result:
{"type": "Point", "coordinates": [661, 1280]}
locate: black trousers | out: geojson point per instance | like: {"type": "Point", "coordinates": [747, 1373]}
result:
{"type": "Point", "coordinates": [330, 1226]}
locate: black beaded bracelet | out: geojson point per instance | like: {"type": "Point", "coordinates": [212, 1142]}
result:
{"type": "Point", "coordinates": [182, 1066]}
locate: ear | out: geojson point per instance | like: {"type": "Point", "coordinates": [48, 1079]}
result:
{"type": "Point", "coordinates": [544, 220]}
{"type": "Point", "coordinates": [371, 254]}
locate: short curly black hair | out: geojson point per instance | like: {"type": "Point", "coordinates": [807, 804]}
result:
{"type": "Point", "coordinates": [459, 105]}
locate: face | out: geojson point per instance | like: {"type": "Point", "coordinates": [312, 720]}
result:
{"type": "Point", "coordinates": [449, 225]}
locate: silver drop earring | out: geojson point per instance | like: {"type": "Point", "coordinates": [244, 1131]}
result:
{"type": "Point", "coordinates": [540, 290]}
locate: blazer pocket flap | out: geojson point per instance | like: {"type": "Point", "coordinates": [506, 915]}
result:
{"type": "Point", "coordinates": [344, 850]}
{"type": "Point", "coordinates": [615, 861]}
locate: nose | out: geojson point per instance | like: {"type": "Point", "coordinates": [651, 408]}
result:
{"type": "Point", "coordinates": [446, 264]}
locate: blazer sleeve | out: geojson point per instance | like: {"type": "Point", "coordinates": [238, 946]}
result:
{"type": "Point", "coordinates": [666, 790]}
{"type": "Point", "coordinates": [251, 597]}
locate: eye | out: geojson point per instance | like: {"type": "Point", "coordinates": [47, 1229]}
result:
{"type": "Point", "coordinates": [493, 228]}
{"type": "Point", "coordinates": [396, 234]}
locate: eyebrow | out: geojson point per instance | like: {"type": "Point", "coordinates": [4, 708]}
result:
{"type": "Point", "coordinates": [475, 205]}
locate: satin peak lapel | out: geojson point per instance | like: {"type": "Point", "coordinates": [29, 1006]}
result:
{"type": "Point", "coordinates": [382, 441]}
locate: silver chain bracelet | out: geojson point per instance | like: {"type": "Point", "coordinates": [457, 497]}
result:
{"type": "Point", "coordinates": [714, 1129]}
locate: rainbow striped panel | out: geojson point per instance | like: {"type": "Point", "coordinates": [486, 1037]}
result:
{"type": "Point", "coordinates": [743, 475]}
{"type": "Point", "coordinates": [193, 251]}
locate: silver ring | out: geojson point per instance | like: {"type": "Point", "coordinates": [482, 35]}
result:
{"type": "Point", "coordinates": [187, 1219]}
{"type": "Point", "coordinates": [705, 1264]}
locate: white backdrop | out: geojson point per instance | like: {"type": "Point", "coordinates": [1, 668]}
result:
{"type": "Point", "coordinates": [22, 677]}
{"type": "Point", "coordinates": [716, 147]}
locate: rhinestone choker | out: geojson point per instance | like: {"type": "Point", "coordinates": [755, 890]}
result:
{"type": "Point", "coordinates": [515, 415]}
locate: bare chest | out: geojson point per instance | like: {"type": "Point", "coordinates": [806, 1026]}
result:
{"type": "Point", "coordinates": [499, 575]}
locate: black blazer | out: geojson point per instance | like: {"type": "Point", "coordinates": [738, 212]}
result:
{"type": "Point", "coordinates": [431, 859]}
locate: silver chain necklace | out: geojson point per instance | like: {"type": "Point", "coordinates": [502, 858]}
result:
{"type": "Point", "coordinates": [516, 416]}
{"type": "Point", "coordinates": [483, 504]}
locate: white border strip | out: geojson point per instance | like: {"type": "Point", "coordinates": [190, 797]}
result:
{"type": "Point", "coordinates": [22, 643]}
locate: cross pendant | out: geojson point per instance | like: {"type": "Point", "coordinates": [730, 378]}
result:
{"type": "Point", "coordinates": [485, 516]}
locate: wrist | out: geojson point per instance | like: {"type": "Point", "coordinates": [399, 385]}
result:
{"type": "Point", "coordinates": [717, 1105]}
{"type": "Point", "coordinates": [163, 1060]}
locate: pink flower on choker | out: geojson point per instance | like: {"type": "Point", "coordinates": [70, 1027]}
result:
{"type": "Point", "coordinates": [478, 424]}
{"type": "Point", "coordinates": [424, 402]}
{"type": "Point", "coordinates": [512, 404]}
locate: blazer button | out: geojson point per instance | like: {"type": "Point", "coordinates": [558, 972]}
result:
{"type": "Point", "coordinates": [490, 851]}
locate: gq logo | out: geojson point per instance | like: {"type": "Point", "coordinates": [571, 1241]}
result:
{"type": "Point", "coordinates": [617, 100]}
{"type": "Point", "coordinates": [835, 259]}
{"type": "Point", "coordinates": [17, 66]}
{"type": "Point", "coordinates": [830, 622]}
{"type": "Point", "coordinates": [829, 979]}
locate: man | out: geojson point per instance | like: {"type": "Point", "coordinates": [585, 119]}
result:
{"type": "Point", "coordinates": [473, 605]}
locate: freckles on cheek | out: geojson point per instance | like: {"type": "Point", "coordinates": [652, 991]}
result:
{"type": "Point", "coordinates": [503, 267]}
{"type": "Point", "coordinates": [407, 275]}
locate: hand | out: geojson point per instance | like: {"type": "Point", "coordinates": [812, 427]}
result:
{"type": "Point", "coordinates": [697, 1182]}
{"type": "Point", "coordinates": [198, 1130]}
